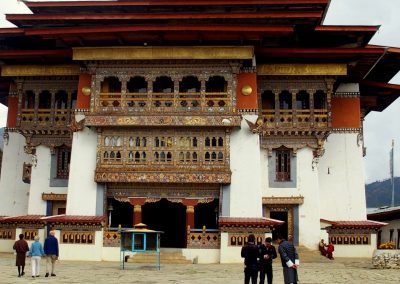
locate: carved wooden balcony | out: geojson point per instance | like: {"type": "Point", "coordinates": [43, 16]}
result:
{"type": "Point", "coordinates": [44, 119]}
{"type": "Point", "coordinates": [288, 120]}
{"type": "Point", "coordinates": [188, 102]}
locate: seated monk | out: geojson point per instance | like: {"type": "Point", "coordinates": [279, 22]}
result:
{"type": "Point", "coordinates": [322, 248]}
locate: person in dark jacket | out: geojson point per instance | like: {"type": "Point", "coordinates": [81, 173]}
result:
{"type": "Point", "coordinates": [290, 260]}
{"type": "Point", "coordinates": [21, 248]}
{"type": "Point", "coordinates": [251, 255]}
{"type": "Point", "coordinates": [51, 252]}
{"type": "Point", "coordinates": [267, 254]}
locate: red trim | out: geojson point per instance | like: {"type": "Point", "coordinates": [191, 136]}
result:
{"type": "Point", "coordinates": [347, 28]}
{"type": "Point", "coordinates": [160, 27]}
{"type": "Point", "coordinates": [354, 224]}
{"type": "Point", "coordinates": [380, 85]}
{"type": "Point", "coordinates": [116, 16]}
{"type": "Point", "coordinates": [171, 3]}
{"type": "Point", "coordinates": [11, 31]}
{"type": "Point", "coordinates": [22, 219]}
{"type": "Point", "coordinates": [73, 219]}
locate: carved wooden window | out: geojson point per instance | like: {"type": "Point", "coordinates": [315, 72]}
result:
{"type": "Point", "coordinates": [77, 237]}
{"type": "Point", "coordinates": [171, 148]}
{"type": "Point", "coordinates": [214, 149]}
{"type": "Point", "coordinates": [282, 164]}
{"type": "Point", "coordinates": [61, 100]}
{"type": "Point", "coordinates": [7, 234]}
{"type": "Point", "coordinates": [268, 100]}
{"type": "Point", "coordinates": [216, 84]}
{"type": "Point", "coordinates": [63, 161]}
{"type": "Point", "coordinates": [29, 234]}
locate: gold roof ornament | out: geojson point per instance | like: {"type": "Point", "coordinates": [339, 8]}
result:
{"type": "Point", "coordinates": [86, 91]}
{"type": "Point", "coordinates": [246, 90]}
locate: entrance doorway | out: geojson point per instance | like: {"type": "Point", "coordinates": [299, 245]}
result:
{"type": "Point", "coordinates": [168, 217]}
{"type": "Point", "coordinates": [283, 229]}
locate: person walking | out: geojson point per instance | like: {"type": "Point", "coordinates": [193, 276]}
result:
{"type": "Point", "coordinates": [251, 255]}
{"type": "Point", "coordinates": [36, 252]}
{"type": "Point", "coordinates": [267, 254]}
{"type": "Point", "coordinates": [21, 248]}
{"type": "Point", "coordinates": [290, 260]}
{"type": "Point", "coordinates": [329, 251]}
{"type": "Point", "coordinates": [51, 252]}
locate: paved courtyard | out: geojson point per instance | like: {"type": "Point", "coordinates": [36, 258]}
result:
{"type": "Point", "coordinates": [337, 271]}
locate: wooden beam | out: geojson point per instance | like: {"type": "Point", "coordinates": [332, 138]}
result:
{"type": "Point", "coordinates": [163, 52]}
{"type": "Point", "coordinates": [347, 28]}
{"type": "Point", "coordinates": [314, 51]}
{"type": "Point", "coordinates": [39, 70]}
{"type": "Point", "coordinates": [11, 31]}
{"type": "Point", "coordinates": [165, 16]}
{"type": "Point", "coordinates": [171, 3]}
{"type": "Point", "coordinates": [302, 69]}
{"type": "Point", "coordinates": [162, 27]}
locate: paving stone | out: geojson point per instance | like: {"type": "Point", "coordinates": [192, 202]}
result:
{"type": "Point", "coordinates": [341, 270]}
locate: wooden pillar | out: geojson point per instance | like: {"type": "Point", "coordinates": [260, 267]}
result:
{"type": "Point", "coordinates": [137, 214]}
{"type": "Point", "coordinates": [137, 203]}
{"type": "Point", "coordinates": [190, 216]}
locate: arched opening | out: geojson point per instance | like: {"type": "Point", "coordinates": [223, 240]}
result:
{"type": "Point", "coordinates": [206, 214]}
{"type": "Point", "coordinates": [163, 84]}
{"type": "Point", "coordinates": [137, 84]}
{"type": "Point", "coordinates": [216, 84]}
{"type": "Point", "coordinates": [169, 217]}
{"type": "Point", "coordinates": [29, 100]}
{"type": "Point", "coordinates": [268, 100]}
{"type": "Point", "coordinates": [61, 100]}
{"type": "Point", "coordinates": [302, 100]}
{"type": "Point", "coordinates": [285, 100]}
{"type": "Point", "coordinates": [111, 85]}
{"type": "Point", "coordinates": [121, 214]}
{"type": "Point", "coordinates": [320, 100]}
{"type": "Point", "coordinates": [45, 100]}
{"type": "Point", "coordinates": [189, 84]}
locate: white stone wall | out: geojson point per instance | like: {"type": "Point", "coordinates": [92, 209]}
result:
{"type": "Point", "coordinates": [309, 211]}
{"type": "Point", "coordinates": [385, 235]}
{"type": "Point", "coordinates": [111, 253]}
{"type": "Point", "coordinates": [13, 191]}
{"type": "Point", "coordinates": [229, 254]}
{"type": "Point", "coordinates": [82, 189]}
{"type": "Point", "coordinates": [202, 255]}
{"type": "Point", "coordinates": [245, 192]}
{"type": "Point", "coordinates": [356, 250]}
{"type": "Point", "coordinates": [40, 182]}
{"type": "Point", "coordinates": [341, 179]}
{"type": "Point", "coordinates": [87, 252]}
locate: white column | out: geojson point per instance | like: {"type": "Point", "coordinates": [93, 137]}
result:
{"type": "Point", "coordinates": [82, 189]}
{"type": "Point", "coordinates": [13, 191]}
{"type": "Point", "coordinates": [40, 181]}
{"type": "Point", "coordinates": [341, 178]}
{"type": "Point", "coordinates": [307, 185]}
{"type": "Point", "coordinates": [245, 194]}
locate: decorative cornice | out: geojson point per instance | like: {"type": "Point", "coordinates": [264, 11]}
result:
{"type": "Point", "coordinates": [163, 120]}
{"type": "Point", "coordinates": [346, 95]}
{"type": "Point", "coordinates": [346, 130]}
{"type": "Point", "coordinates": [219, 177]}
{"type": "Point", "coordinates": [302, 69]}
{"type": "Point", "coordinates": [39, 70]}
{"type": "Point", "coordinates": [283, 200]}
{"type": "Point", "coordinates": [54, 196]}
{"type": "Point", "coordinates": [163, 52]}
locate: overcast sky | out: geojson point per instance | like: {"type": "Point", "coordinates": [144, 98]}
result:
{"type": "Point", "coordinates": [379, 127]}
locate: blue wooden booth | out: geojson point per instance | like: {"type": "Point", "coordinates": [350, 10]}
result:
{"type": "Point", "coordinates": [140, 239]}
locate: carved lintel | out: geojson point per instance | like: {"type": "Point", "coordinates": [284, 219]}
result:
{"type": "Point", "coordinates": [283, 200]}
{"type": "Point", "coordinates": [54, 196]}
{"type": "Point", "coordinates": [76, 126]}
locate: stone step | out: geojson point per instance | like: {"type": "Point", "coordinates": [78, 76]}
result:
{"type": "Point", "coordinates": [166, 256]}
